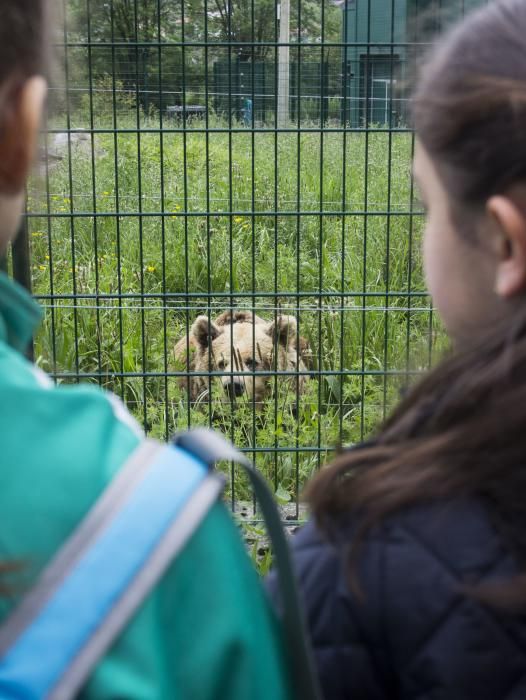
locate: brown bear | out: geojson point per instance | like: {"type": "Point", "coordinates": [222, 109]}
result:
{"type": "Point", "coordinates": [240, 345]}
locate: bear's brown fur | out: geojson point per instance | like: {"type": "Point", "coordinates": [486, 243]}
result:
{"type": "Point", "coordinates": [240, 344]}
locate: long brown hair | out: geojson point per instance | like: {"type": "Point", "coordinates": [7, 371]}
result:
{"type": "Point", "coordinates": [461, 431]}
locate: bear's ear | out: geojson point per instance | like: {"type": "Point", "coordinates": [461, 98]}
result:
{"type": "Point", "coordinates": [204, 331]}
{"type": "Point", "coordinates": [283, 330]}
{"type": "Point", "coordinates": [232, 316]}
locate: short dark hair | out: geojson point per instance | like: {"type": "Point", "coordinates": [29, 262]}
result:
{"type": "Point", "coordinates": [23, 38]}
{"type": "Point", "coordinates": [469, 107]}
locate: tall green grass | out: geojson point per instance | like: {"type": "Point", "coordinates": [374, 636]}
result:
{"type": "Point", "coordinates": [205, 229]}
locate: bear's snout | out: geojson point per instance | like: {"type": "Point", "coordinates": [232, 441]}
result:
{"type": "Point", "coordinates": [234, 388]}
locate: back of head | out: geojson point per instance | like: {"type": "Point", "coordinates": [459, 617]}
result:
{"type": "Point", "coordinates": [23, 44]}
{"type": "Point", "coordinates": [470, 104]}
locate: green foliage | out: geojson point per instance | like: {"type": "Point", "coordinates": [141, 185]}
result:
{"type": "Point", "coordinates": [256, 22]}
{"type": "Point", "coordinates": [122, 100]}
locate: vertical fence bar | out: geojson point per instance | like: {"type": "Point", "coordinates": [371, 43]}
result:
{"type": "Point", "coordinates": [118, 247]}
{"type": "Point", "coordinates": [321, 379]}
{"type": "Point", "coordinates": [298, 247]}
{"type": "Point", "coordinates": [21, 256]}
{"type": "Point", "coordinates": [344, 208]}
{"type": "Point", "coordinates": [185, 207]}
{"type": "Point", "coordinates": [253, 223]}
{"type": "Point", "coordinates": [140, 216]}
{"type": "Point", "coordinates": [208, 203]}
{"type": "Point", "coordinates": [94, 191]}
{"type": "Point", "coordinates": [72, 218]}
{"type": "Point", "coordinates": [367, 127]}
{"type": "Point", "coordinates": [52, 310]}
{"type": "Point", "coordinates": [277, 127]}
{"type": "Point", "coordinates": [163, 222]}
{"type": "Point", "coordinates": [389, 212]}
{"type": "Point", "coordinates": [21, 262]}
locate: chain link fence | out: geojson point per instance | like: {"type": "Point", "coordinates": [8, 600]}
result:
{"type": "Point", "coordinates": [223, 228]}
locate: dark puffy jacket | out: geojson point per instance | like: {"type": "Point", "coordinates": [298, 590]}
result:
{"type": "Point", "coordinates": [415, 635]}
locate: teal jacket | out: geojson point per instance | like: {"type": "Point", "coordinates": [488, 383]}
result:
{"type": "Point", "coordinates": [207, 630]}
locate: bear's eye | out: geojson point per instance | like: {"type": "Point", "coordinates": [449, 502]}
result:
{"type": "Point", "coordinates": [221, 364]}
{"type": "Point", "coordinates": [252, 364]}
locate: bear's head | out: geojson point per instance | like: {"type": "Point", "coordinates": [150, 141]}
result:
{"type": "Point", "coordinates": [240, 345]}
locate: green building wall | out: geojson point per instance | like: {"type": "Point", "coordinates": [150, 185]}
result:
{"type": "Point", "coordinates": [377, 54]}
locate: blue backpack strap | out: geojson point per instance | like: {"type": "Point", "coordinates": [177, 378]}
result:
{"type": "Point", "coordinates": [91, 588]}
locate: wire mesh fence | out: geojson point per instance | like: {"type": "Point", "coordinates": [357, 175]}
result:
{"type": "Point", "coordinates": [223, 228]}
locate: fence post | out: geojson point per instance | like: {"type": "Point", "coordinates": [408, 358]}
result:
{"type": "Point", "coordinates": [283, 63]}
{"type": "Point", "coordinates": [324, 92]}
{"type": "Point", "coordinates": [215, 99]}
{"type": "Point", "coordinates": [294, 92]}
{"type": "Point", "coordinates": [263, 91]}
{"type": "Point", "coordinates": [21, 257]}
{"type": "Point", "coordinates": [22, 264]}
{"type": "Point", "coordinates": [146, 95]}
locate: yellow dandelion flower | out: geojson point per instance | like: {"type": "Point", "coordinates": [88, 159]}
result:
{"type": "Point", "coordinates": [238, 219]}
{"type": "Point", "coordinates": [47, 257]}
{"type": "Point", "coordinates": [150, 268]}
{"type": "Point", "coordinates": [41, 267]}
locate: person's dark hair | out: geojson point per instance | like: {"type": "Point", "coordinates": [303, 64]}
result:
{"type": "Point", "coordinates": [461, 431]}
{"type": "Point", "coordinates": [23, 39]}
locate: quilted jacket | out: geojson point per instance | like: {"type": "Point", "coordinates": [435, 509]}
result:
{"type": "Point", "coordinates": [413, 633]}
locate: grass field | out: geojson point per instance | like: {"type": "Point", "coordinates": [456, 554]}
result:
{"type": "Point", "coordinates": [152, 231]}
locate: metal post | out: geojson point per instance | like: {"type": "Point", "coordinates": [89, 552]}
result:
{"type": "Point", "coordinates": [21, 257]}
{"type": "Point", "coordinates": [146, 95]}
{"type": "Point", "coordinates": [22, 266]}
{"type": "Point", "coordinates": [283, 63]}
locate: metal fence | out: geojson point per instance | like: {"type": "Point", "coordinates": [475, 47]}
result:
{"type": "Point", "coordinates": [207, 156]}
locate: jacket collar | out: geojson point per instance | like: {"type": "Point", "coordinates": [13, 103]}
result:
{"type": "Point", "coordinates": [19, 314]}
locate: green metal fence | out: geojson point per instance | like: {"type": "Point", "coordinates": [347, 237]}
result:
{"type": "Point", "coordinates": [184, 174]}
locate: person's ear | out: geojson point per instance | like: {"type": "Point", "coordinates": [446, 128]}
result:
{"type": "Point", "coordinates": [22, 113]}
{"type": "Point", "coordinates": [510, 245]}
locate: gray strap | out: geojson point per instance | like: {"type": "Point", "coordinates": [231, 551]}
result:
{"type": "Point", "coordinates": [211, 447]}
{"type": "Point", "coordinates": [168, 548]}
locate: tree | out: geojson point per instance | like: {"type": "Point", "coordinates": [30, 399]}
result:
{"type": "Point", "coordinates": [249, 24]}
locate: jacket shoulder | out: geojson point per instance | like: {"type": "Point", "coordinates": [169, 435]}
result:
{"type": "Point", "coordinates": [414, 620]}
